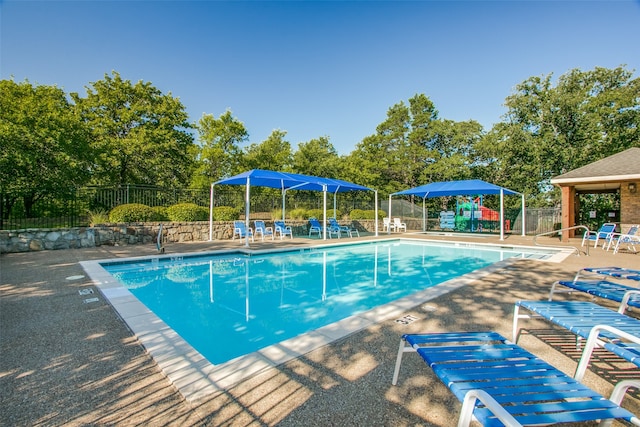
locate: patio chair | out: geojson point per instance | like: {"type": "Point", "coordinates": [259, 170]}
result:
{"type": "Point", "coordinates": [501, 384]}
{"type": "Point", "coordinates": [335, 228]}
{"type": "Point", "coordinates": [315, 227]}
{"type": "Point", "coordinates": [630, 238]}
{"type": "Point", "coordinates": [399, 225]}
{"type": "Point", "coordinates": [282, 229]}
{"type": "Point", "coordinates": [581, 318]}
{"type": "Point", "coordinates": [617, 272]}
{"type": "Point", "coordinates": [627, 296]}
{"type": "Point", "coordinates": [603, 234]}
{"type": "Point", "coordinates": [387, 226]}
{"type": "Point", "coordinates": [262, 230]}
{"type": "Point", "coordinates": [241, 231]}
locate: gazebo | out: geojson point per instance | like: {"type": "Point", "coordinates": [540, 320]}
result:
{"type": "Point", "coordinates": [286, 181]}
{"type": "Point", "coordinates": [470, 187]}
{"type": "Point", "coordinates": [617, 173]}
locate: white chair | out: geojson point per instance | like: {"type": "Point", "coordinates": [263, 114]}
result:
{"type": "Point", "coordinates": [397, 225]}
{"type": "Point", "coordinates": [387, 225]}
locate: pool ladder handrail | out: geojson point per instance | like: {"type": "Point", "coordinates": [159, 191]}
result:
{"type": "Point", "coordinates": [561, 230]}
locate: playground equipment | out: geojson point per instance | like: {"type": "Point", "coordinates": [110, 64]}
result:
{"type": "Point", "coordinates": [471, 215]}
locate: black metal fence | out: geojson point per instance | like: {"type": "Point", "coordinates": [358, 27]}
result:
{"type": "Point", "coordinates": [76, 207]}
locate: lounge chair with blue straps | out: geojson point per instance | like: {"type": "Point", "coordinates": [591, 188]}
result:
{"type": "Point", "coordinates": [262, 230]}
{"type": "Point", "coordinates": [501, 384]}
{"type": "Point", "coordinates": [602, 235]}
{"type": "Point", "coordinates": [241, 231]}
{"type": "Point", "coordinates": [616, 332]}
{"type": "Point", "coordinates": [600, 287]}
{"type": "Point", "coordinates": [282, 229]}
{"type": "Point", "coordinates": [337, 229]}
{"type": "Point", "coordinates": [631, 238]}
{"type": "Point", "coordinates": [315, 227]}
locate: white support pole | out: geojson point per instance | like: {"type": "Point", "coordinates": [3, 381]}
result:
{"type": "Point", "coordinates": [501, 213]}
{"type": "Point", "coordinates": [424, 216]}
{"type": "Point", "coordinates": [247, 209]}
{"type": "Point", "coordinates": [324, 208]}
{"type": "Point", "coordinates": [211, 214]}
{"type": "Point", "coordinates": [389, 228]}
{"type": "Point", "coordinates": [524, 210]}
{"type": "Point", "coordinates": [376, 212]}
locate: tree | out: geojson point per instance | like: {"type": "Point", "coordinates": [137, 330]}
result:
{"type": "Point", "coordinates": [551, 130]}
{"type": "Point", "coordinates": [219, 155]}
{"type": "Point", "coordinates": [141, 136]}
{"type": "Point", "coordinates": [272, 154]}
{"type": "Point", "coordinates": [318, 157]}
{"type": "Point", "coordinates": [44, 148]}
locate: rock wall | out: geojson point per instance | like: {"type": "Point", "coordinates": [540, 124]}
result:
{"type": "Point", "coordinates": [128, 234]}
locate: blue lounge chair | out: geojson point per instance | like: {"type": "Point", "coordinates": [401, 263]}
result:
{"type": "Point", "coordinates": [314, 227]}
{"type": "Point", "coordinates": [337, 229]}
{"type": "Point", "coordinates": [262, 230]}
{"type": "Point", "coordinates": [627, 296]}
{"type": "Point", "coordinates": [241, 231]}
{"type": "Point", "coordinates": [617, 332]}
{"type": "Point", "coordinates": [603, 234]}
{"type": "Point", "coordinates": [282, 229]}
{"type": "Point", "coordinates": [631, 238]}
{"type": "Point", "coordinates": [617, 272]}
{"type": "Point", "coordinates": [502, 384]}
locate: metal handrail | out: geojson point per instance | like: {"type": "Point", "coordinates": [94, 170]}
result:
{"type": "Point", "coordinates": [558, 231]}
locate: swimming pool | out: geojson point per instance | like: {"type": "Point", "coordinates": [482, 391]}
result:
{"type": "Point", "coordinates": [234, 306]}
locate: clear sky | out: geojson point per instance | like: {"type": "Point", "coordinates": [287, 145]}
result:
{"type": "Point", "coordinates": [325, 68]}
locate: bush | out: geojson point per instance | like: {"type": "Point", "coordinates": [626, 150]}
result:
{"type": "Point", "coordinates": [160, 213]}
{"type": "Point", "coordinates": [98, 217]}
{"type": "Point", "coordinates": [315, 213]}
{"type": "Point", "coordinates": [187, 212]}
{"type": "Point", "coordinates": [298, 213]}
{"type": "Point", "coordinates": [225, 213]}
{"type": "Point", "coordinates": [132, 212]}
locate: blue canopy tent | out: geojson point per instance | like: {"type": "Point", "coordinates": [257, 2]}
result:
{"type": "Point", "coordinates": [471, 187]}
{"type": "Point", "coordinates": [286, 181]}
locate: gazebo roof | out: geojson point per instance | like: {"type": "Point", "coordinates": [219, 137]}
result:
{"type": "Point", "coordinates": [604, 174]}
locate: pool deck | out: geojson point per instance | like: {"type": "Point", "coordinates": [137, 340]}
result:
{"type": "Point", "coordinates": [67, 359]}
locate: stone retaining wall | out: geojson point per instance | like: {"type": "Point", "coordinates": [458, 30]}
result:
{"type": "Point", "coordinates": [128, 234]}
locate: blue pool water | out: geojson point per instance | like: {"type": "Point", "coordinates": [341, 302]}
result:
{"type": "Point", "coordinates": [233, 304]}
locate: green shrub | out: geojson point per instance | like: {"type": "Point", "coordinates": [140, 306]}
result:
{"type": "Point", "coordinates": [298, 213]}
{"type": "Point", "coordinates": [315, 213]}
{"type": "Point", "coordinates": [160, 213]}
{"type": "Point", "coordinates": [132, 212]}
{"type": "Point", "coordinates": [98, 217]}
{"type": "Point", "coordinates": [187, 212]}
{"type": "Point", "coordinates": [225, 213]}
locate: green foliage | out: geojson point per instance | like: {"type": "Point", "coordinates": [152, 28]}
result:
{"type": "Point", "coordinates": [44, 147]}
{"type": "Point", "coordinates": [219, 155]}
{"type": "Point", "coordinates": [315, 213]}
{"type": "Point", "coordinates": [132, 212]}
{"type": "Point", "coordinates": [98, 217]}
{"type": "Point", "coordinates": [187, 212]}
{"type": "Point", "coordinates": [317, 157]}
{"type": "Point", "coordinates": [366, 214]}
{"type": "Point", "coordinates": [141, 136]}
{"type": "Point", "coordinates": [298, 213]}
{"type": "Point", "coordinates": [225, 213]}
{"type": "Point", "coordinates": [272, 154]}
{"type": "Point", "coordinates": [160, 213]}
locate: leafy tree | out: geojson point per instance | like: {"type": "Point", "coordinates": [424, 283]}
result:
{"type": "Point", "coordinates": [220, 154]}
{"type": "Point", "coordinates": [272, 154]}
{"type": "Point", "coordinates": [551, 130]}
{"type": "Point", "coordinates": [317, 157]}
{"type": "Point", "coordinates": [44, 149]}
{"type": "Point", "coordinates": [141, 136]}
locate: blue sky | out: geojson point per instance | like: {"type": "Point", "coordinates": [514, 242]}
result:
{"type": "Point", "coordinates": [326, 68]}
